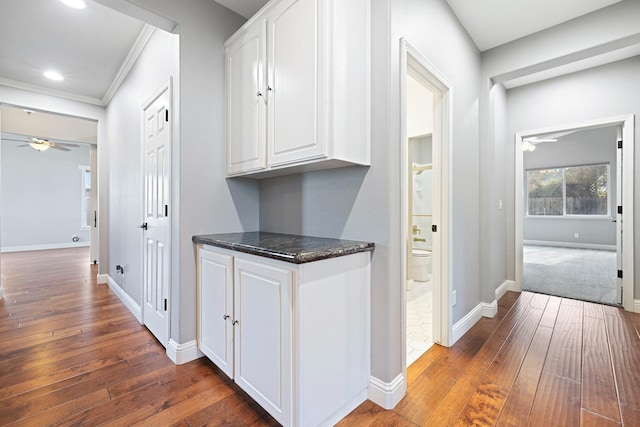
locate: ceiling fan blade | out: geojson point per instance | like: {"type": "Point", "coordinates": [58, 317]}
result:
{"type": "Point", "coordinates": [24, 145]}
{"type": "Point", "coordinates": [55, 147]}
{"type": "Point", "coordinates": [15, 140]}
{"type": "Point", "coordinates": [62, 144]}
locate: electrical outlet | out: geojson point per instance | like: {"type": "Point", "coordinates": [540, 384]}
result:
{"type": "Point", "coordinates": [453, 298]}
{"type": "Point", "coordinates": [577, 235]}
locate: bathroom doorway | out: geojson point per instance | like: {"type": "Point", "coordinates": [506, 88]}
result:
{"type": "Point", "coordinates": [424, 147]}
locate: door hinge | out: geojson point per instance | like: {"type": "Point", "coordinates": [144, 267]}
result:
{"type": "Point", "coordinates": [620, 210]}
{"type": "Point", "coordinates": [166, 210]}
{"type": "Point", "coordinates": [434, 228]}
{"type": "Point", "coordinates": [620, 144]}
{"type": "Point", "coordinates": [619, 274]}
{"type": "Point", "coordinates": [165, 304]}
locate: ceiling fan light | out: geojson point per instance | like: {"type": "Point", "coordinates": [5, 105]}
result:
{"type": "Point", "coordinates": [76, 4]}
{"type": "Point", "coordinates": [39, 147]}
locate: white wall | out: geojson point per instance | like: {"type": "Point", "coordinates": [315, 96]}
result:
{"type": "Point", "coordinates": [41, 197]}
{"type": "Point", "coordinates": [580, 148]}
{"type": "Point", "coordinates": [205, 202]}
{"type": "Point", "coordinates": [156, 63]}
{"type": "Point", "coordinates": [597, 93]}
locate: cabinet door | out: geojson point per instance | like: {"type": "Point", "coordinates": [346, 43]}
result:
{"type": "Point", "coordinates": [246, 104]}
{"type": "Point", "coordinates": [263, 334]}
{"type": "Point", "coordinates": [296, 101]}
{"type": "Point", "coordinates": [215, 308]}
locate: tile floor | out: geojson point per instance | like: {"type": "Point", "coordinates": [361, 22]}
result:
{"type": "Point", "coordinates": [419, 320]}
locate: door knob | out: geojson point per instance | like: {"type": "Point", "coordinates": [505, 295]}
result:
{"type": "Point", "coordinates": [143, 226]}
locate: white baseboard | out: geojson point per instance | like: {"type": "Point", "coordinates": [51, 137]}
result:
{"type": "Point", "coordinates": [463, 325]}
{"type": "Point", "coordinates": [7, 249]}
{"type": "Point", "coordinates": [507, 285]}
{"type": "Point", "coordinates": [133, 307]}
{"type": "Point", "coordinates": [102, 279]}
{"type": "Point", "coordinates": [636, 305]}
{"type": "Point", "coordinates": [183, 353]}
{"type": "Point", "coordinates": [570, 245]}
{"type": "Point", "coordinates": [385, 394]}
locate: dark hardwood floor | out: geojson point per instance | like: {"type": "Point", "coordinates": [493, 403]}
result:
{"type": "Point", "coordinates": [72, 354]}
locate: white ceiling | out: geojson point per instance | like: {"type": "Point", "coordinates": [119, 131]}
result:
{"type": "Point", "coordinates": [49, 126]}
{"type": "Point", "coordinates": [490, 23]}
{"type": "Point", "coordinates": [88, 47]}
{"type": "Point", "coordinates": [94, 47]}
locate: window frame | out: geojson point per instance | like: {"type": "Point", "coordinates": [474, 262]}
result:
{"type": "Point", "coordinates": [85, 202]}
{"type": "Point", "coordinates": [565, 215]}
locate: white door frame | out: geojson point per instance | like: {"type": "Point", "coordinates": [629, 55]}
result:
{"type": "Point", "coordinates": [412, 60]}
{"type": "Point", "coordinates": [168, 87]}
{"type": "Point", "coordinates": [628, 134]}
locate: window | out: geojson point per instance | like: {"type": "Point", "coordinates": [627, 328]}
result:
{"type": "Point", "coordinates": [85, 197]}
{"type": "Point", "coordinates": [574, 190]}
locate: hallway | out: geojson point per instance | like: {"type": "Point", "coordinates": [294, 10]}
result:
{"type": "Point", "coordinates": [72, 354]}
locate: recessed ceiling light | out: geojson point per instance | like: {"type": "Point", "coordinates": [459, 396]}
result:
{"type": "Point", "coordinates": [76, 4]}
{"type": "Point", "coordinates": [53, 75]}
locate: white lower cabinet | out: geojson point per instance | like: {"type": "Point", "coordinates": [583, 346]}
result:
{"type": "Point", "coordinates": [295, 337]}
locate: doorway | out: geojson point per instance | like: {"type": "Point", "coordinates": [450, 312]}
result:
{"type": "Point", "coordinates": [424, 106]}
{"type": "Point", "coordinates": [49, 190]}
{"type": "Point", "coordinates": [620, 206]}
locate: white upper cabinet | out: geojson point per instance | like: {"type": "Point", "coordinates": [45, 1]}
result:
{"type": "Point", "coordinates": [298, 88]}
{"type": "Point", "coordinates": [246, 104]}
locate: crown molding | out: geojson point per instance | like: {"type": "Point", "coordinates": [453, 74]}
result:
{"type": "Point", "coordinates": [52, 92]}
{"type": "Point", "coordinates": [141, 41]}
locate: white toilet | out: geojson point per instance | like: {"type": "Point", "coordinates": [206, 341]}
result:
{"type": "Point", "coordinates": [421, 260]}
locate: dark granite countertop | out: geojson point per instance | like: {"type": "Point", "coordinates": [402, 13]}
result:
{"type": "Point", "coordinates": [284, 247]}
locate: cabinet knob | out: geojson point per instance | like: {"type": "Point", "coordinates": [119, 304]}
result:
{"type": "Point", "coordinates": [259, 93]}
{"type": "Point", "coordinates": [234, 323]}
{"type": "Point", "coordinates": [269, 88]}
{"type": "Point", "coordinates": [225, 317]}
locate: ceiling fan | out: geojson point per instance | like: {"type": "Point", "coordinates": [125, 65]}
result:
{"type": "Point", "coordinates": [41, 144]}
{"type": "Point", "coordinates": [529, 144]}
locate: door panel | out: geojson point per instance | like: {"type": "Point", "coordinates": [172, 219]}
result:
{"type": "Point", "coordinates": [262, 334]}
{"type": "Point", "coordinates": [215, 337]}
{"type": "Point", "coordinates": [246, 102]}
{"type": "Point", "coordinates": [156, 203]}
{"type": "Point", "coordinates": [296, 94]}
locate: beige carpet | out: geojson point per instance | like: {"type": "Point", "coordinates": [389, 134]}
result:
{"type": "Point", "coordinates": [584, 274]}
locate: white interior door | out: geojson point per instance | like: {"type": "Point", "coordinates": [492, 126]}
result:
{"type": "Point", "coordinates": [618, 215]}
{"type": "Point", "coordinates": [156, 249]}
{"type": "Point", "coordinates": [93, 208]}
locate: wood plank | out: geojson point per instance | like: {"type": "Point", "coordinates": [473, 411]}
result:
{"type": "Point", "coordinates": [484, 406]}
{"type": "Point", "coordinates": [565, 351]}
{"type": "Point", "coordinates": [551, 312]}
{"type": "Point", "coordinates": [625, 353]}
{"type": "Point", "coordinates": [53, 414]}
{"type": "Point", "coordinates": [225, 412]}
{"type": "Point", "coordinates": [507, 363]}
{"type": "Point", "coordinates": [418, 367]}
{"type": "Point", "coordinates": [557, 402]}
{"type": "Point", "coordinates": [451, 405]}
{"type": "Point", "coordinates": [518, 405]}
{"type": "Point", "coordinates": [599, 393]}
{"type": "Point", "coordinates": [593, 310]}
{"type": "Point", "coordinates": [589, 419]}
{"type": "Point", "coordinates": [433, 385]}
{"type": "Point", "coordinates": [362, 416]}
